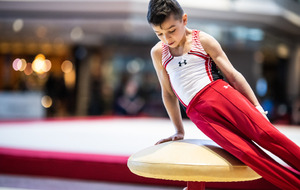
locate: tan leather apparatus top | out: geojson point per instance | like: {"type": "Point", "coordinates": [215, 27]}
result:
{"type": "Point", "coordinates": [190, 160]}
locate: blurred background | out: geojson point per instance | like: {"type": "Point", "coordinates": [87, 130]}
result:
{"type": "Point", "coordinates": [75, 58]}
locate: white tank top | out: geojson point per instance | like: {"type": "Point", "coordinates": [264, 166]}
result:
{"type": "Point", "coordinates": [190, 72]}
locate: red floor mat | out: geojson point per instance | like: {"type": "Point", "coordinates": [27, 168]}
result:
{"type": "Point", "coordinates": [92, 167]}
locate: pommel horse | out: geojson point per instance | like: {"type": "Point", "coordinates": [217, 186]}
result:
{"type": "Point", "coordinates": [193, 160]}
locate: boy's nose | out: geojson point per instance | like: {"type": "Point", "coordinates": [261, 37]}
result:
{"type": "Point", "coordinates": [167, 39]}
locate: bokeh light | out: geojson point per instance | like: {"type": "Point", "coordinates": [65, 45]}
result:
{"type": "Point", "coordinates": [135, 65]}
{"type": "Point", "coordinates": [28, 70]}
{"type": "Point", "coordinates": [40, 64]}
{"type": "Point", "coordinates": [77, 33]}
{"type": "Point", "coordinates": [46, 101]}
{"type": "Point", "coordinates": [16, 63]}
{"type": "Point", "coordinates": [283, 51]}
{"type": "Point", "coordinates": [67, 66]}
{"type": "Point", "coordinates": [261, 87]}
{"type": "Point", "coordinates": [70, 79]}
{"type": "Point", "coordinates": [18, 25]}
{"type": "Point", "coordinates": [47, 65]}
{"type": "Point", "coordinates": [19, 64]}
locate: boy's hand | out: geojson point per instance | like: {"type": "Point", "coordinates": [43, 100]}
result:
{"type": "Point", "coordinates": [177, 136]}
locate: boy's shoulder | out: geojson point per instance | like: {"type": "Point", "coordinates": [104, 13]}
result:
{"type": "Point", "coordinates": [205, 38]}
{"type": "Point", "coordinates": [157, 49]}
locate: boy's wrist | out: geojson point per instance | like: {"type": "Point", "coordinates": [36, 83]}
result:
{"type": "Point", "coordinates": [180, 132]}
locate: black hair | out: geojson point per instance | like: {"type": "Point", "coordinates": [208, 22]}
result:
{"type": "Point", "coordinates": [160, 10]}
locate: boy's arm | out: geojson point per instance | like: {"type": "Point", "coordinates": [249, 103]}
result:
{"type": "Point", "coordinates": [235, 78]}
{"type": "Point", "coordinates": [169, 99]}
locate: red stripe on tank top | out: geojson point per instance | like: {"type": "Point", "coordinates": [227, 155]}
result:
{"type": "Point", "coordinates": [199, 54]}
{"type": "Point", "coordinates": [168, 61]}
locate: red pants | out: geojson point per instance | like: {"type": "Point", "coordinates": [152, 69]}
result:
{"type": "Point", "coordinates": [229, 119]}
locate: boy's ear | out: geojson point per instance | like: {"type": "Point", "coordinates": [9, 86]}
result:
{"type": "Point", "coordinates": [184, 19]}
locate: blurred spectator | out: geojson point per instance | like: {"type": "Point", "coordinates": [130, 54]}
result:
{"type": "Point", "coordinates": [296, 111]}
{"type": "Point", "coordinates": [56, 89]}
{"type": "Point", "coordinates": [129, 102]}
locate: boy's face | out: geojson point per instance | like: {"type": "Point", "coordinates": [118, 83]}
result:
{"type": "Point", "coordinates": [171, 31]}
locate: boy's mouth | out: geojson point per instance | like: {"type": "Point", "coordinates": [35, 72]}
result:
{"type": "Point", "coordinates": [171, 43]}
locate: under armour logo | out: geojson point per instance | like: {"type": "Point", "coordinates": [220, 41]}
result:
{"type": "Point", "coordinates": [184, 62]}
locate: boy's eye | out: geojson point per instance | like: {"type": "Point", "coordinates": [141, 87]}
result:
{"type": "Point", "coordinates": [172, 31]}
{"type": "Point", "coordinates": [159, 34]}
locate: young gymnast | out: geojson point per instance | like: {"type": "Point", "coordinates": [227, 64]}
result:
{"type": "Point", "coordinates": [186, 63]}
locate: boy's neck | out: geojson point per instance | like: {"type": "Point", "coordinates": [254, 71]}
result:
{"type": "Point", "coordinates": [184, 45]}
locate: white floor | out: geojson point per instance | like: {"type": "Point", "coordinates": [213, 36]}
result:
{"type": "Point", "coordinates": [114, 136]}
{"type": "Point", "coordinates": [106, 136]}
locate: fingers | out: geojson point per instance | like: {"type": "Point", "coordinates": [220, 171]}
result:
{"type": "Point", "coordinates": [172, 138]}
{"type": "Point", "coordinates": [164, 140]}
